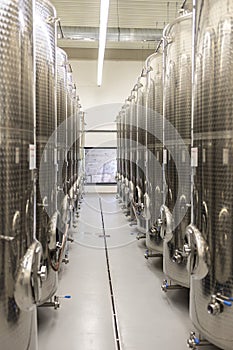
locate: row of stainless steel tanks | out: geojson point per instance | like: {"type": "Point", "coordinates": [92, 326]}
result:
{"type": "Point", "coordinates": [175, 162]}
{"type": "Point", "coordinates": [41, 171]}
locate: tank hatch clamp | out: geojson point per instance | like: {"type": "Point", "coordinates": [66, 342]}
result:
{"type": "Point", "coordinates": [194, 343]}
{"type": "Point", "coordinates": [169, 286]}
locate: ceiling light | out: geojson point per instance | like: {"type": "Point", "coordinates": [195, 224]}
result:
{"type": "Point", "coordinates": [104, 10]}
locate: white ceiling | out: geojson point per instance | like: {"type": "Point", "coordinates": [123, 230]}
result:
{"type": "Point", "coordinates": [79, 20]}
{"type": "Point", "coordinates": [125, 13]}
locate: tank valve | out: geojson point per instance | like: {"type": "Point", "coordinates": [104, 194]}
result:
{"type": "Point", "coordinates": [141, 236]}
{"type": "Point", "coordinates": [139, 208]}
{"type": "Point", "coordinates": [133, 223]}
{"type": "Point", "coordinates": [217, 303]}
{"type": "Point", "coordinates": [55, 303]}
{"type": "Point", "coordinates": [66, 260]}
{"type": "Point", "coordinates": [169, 286]}
{"type": "Point", "coordinates": [52, 303]}
{"type": "Point", "coordinates": [178, 257]}
{"type": "Point", "coordinates": [193, 342]}
{"type": "Point", "coordinates": [148, 254]}
{"type": "Point", "coordinates": [155, 231]}
{"type": "Point", "coordinates": [181, 255]}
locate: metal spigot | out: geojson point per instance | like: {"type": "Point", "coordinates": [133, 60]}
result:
{"type": "Point", "coordinates": [149, 254]}
{"type": "Point", "coordinates": [178, 257]}
{"type": "Point", "coordinates": [181, 255]}
{"type": "Point", "coordinates": [42, 273]}
{"type": "Point", "coordinates": [217, 303]}
{"type": "Point", "coordinates": [169, 286]}
{"type": "Point", "coordinates": [154, 231]}
{"type": "Point", "coordinates": [193, 342]}
{"type": "Point", "coordinates": [66, 260]}
{"type": "Point", "coordinates": [52, 303]}
{"type": "Point", "coordinates": [140, 236]}
{"type": "Point", "coordinates": [55, 303]}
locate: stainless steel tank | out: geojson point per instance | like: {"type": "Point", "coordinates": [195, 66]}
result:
{"type": "Point", "coordinates": [133, 149]}
{"type": "Point", "coordinates": [18, 329]}
{"type": "Point", "coordinates": [70, 138]}
{"type": "Point", "coordinates": [175, 213]}
{"type": "Point", "coordinates": [210, 235]}
{"type": "Point", "coordinates": [140, 160]}
{"type": "Point", "coordinates": [118, 173]}
{"type": "Point", "coordinates": [78, 140]}
{"type": "Point", "coordinates": [154, 107]}
{"type": "Point", "coordinates": [73, 189]}
{"type": "Point", "coordinates": [127, 153]}
{"type": "Point", "coordinates": [46, 122]}
{"type": "Point", "coordinates": [123, 181]}
{"type": "Point", "coordinates": [62, 199]}
{"type": "Point", "coordinates": [62, 196]}
{"type": "Point", "coordinates": [81, 145]}
{"type": "Point", "coordinates": [120, 176]}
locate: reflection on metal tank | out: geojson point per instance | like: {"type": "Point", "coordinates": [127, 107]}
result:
{"type": "Point", "coordinates": [46, 215]}
{"type": "Point", "coordinates": [118, 174]}
{"type": "Point", "coordinates": [62, 198]}
{"type": "Point", "coordinates": [18, 328]}
{"type": "Point", "coordinates": [175, 213]}
{"type": "Point", "coordinates": [73, 145]}
{"type": "Point", "coordinates": [127, 151]}
{"type": "Point", "coordinates": [124, 167]}
{"type": "Point", "coordinates": [210, 235]}
{"type": "Point", "coordinates": [70, 128]}
{"type": "Point", "coordinates": [154, 108]}
{"type": "Point", "coordinates": [141, 151]}
{"type": "Point", "coordinates": [133, 147]}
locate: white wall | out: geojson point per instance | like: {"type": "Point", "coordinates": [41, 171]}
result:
{"type": "Point", "coordinates": [103, 103]}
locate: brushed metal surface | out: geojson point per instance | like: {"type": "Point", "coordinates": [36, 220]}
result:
{"type": "Point", "coordinates": [133, 144]}
{"type": "Point", "coordinates": [177, 111]}
{"type": "Point", "coordinates": [62, 139]}
{"type": "Point", "coordinates": [155, 147]}
{"type": "Point", "coordinates": [46, 121]}
{"type": "Point", "coordinates": [70, 135]}
{"type": "Point", "coordinates": [17, 327]}
{"type": "Point", "coordinates": [213, 176]}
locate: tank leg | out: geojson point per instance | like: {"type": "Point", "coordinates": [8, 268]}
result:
{"type": "Point", "coordinates": [194, 342]}
{"type": "Point", "coordinates": [149, 254]}
{"type": "Point", "coordinates": [169, 286]}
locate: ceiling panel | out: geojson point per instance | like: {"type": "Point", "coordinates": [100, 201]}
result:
{"type": "Point", "coordinates": [123, 13]}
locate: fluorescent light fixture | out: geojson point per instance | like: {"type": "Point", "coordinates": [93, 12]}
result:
{"type": "Point", "coordinates": [104, 10]}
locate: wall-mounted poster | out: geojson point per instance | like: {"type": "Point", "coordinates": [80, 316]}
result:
{"type": "Point", "coordinates": [101, 165]}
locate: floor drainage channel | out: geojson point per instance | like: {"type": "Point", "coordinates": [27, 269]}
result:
{"type": "Point", "coordinates": [115, 321]}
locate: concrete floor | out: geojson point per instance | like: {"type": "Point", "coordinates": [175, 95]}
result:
{"type": "Point", "coordinates": [146, 318]}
